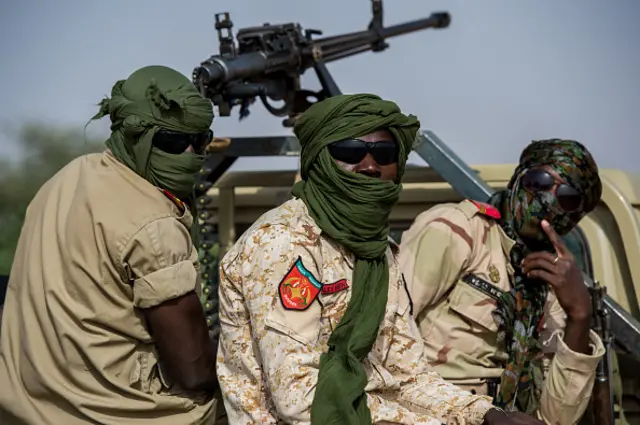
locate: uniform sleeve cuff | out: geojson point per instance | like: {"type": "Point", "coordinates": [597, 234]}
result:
{"type": "Point", "coordinates": [580, 361]}
{"type": "Point", "coordinates": [480, 409]}
{"type": "Point", "coordinates": [164, 284]}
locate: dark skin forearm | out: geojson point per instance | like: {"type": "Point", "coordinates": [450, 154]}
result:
{"type": "Point", "coordinates": [576, 335]}
{"type": "Point", "coordinates": [186, 352]}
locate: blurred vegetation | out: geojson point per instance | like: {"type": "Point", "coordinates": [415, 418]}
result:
{"type": "Point", "coordinates": [45, 150]}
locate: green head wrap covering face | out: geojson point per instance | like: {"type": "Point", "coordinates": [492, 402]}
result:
{"type": "Point", "coordinates": [352, 209]}
{"type": "Point", "coordinates": [154, 98]}
{"type": "Point", "coordinates": [520, 310]}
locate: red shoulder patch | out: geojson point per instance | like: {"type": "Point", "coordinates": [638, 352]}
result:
{"type": "Point", "coordinates": [299, 288]}
{"type": "Point", "coordinates": [174, 199]}
{"type": "Point", "coordinates": [486, 209]}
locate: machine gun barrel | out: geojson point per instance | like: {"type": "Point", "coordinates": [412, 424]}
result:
{"type": "Point", "coordinates": [267, 62]}
{"type": "Point", "coordinates": [241, 67]}
{"type": "Point", "coordinates": [219, 70]}
{"type": "Point", "coordinates": [341, 46]}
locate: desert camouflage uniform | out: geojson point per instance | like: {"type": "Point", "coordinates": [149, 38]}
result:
{"type": "Point", "coordinates": [445, 244]}
{"type": "Point", "coordinates": [269, 355]}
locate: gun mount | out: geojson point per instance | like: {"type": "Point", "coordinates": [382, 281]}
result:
{"type": "Point", "coordinates": [268, 61]}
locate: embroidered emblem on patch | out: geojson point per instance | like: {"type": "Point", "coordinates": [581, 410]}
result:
{"type": "Point", "coordinates": [174, 199]}
{"type": "Point", "coordinates": [494, 274]}
{"type": "Point", "coordinates": [486, 209]}
{"type": "Point", "coordinates": [332, 288]}
{"type": "Point", "coordinates": [299, 288]}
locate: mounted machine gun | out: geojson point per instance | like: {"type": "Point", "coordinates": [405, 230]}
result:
{"type": "Point", "coordinates": [267, 62]}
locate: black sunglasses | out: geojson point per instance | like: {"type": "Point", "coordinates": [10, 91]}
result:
{"type": "Point", "coordinates": [569, 198]}
{"type": "Point", "coordinates": [175, 142]}
{"type": "Point", "coordinates": [352, 151]}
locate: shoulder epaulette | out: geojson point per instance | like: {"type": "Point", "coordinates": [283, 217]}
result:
{"type": "Point", "coordinates": [174, 199]}
{"type": "Point", "coordinates": [486, 209]}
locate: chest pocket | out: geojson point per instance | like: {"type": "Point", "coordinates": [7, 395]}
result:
{"type": "Point", "coordinates": [474, 305]}
{"type": "Point", "coordinates": [302, 326]}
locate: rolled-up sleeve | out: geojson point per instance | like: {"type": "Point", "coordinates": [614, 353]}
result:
{"type": "Point", "coordinates": [161, 262]}
{"type": "Point", "coordinates": [569, 382]}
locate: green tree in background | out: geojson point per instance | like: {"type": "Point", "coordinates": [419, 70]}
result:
{"type": "Point", "coordinates": [45, 150]}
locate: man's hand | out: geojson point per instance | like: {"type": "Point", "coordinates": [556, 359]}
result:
{"type": "Point", "coordinates": [498, 417]}
{"type": "Point", "coordinates": [561, 271]}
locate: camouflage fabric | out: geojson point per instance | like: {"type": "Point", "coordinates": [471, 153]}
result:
{"type": "Point", "coordinates": [353, 209]}
{"type": "Point", "coordinates": [272, 340]}
{"type": "Point", "coordinates": [519, 314]}
{"type": "Point", "coordinates": [573, 162]}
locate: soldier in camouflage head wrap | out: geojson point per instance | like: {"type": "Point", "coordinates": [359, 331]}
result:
{"type": "Point", "coordinates": [573, 163]}
{"type": "Point", "coordinates": [556, 181]}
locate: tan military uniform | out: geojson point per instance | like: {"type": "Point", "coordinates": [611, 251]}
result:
{"type": "Point", "coordinates": [275, 325]}
{"type": "Point", "coordinates": [98, 243]}
{"type": "Point", "coordinates": [445, 244]}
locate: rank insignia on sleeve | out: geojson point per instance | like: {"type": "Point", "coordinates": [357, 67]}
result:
{"type": "Point", "coordinates": [178, 203]}
{"type": "Point", "coordinates": [494, 274]}
{"type": "Point", "coordinates": [332, 288]}
{"type": "Point", "coordinates": [299, 288]}
{"type": "Point", "coordinates": [486, 209]}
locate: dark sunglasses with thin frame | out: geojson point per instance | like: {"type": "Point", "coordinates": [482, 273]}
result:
{"type": "Point", "coordinates": [569, 198]}
{"type": "Point", "coordinates": [175, 142]}
{"type": "Point", "coordinates": [352, 151]}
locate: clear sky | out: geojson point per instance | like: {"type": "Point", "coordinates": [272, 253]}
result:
{"type": "Point", "coordinates": [504, 73]}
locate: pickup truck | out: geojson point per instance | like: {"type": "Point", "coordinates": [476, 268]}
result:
{"type": "Point", "coordinates": [606, 242]}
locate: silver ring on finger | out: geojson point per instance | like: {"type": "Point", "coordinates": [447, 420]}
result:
{"type": "Point", "coordinates": [555, 260]}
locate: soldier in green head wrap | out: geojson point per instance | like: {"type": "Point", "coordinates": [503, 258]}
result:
{"type": "Point", "coordinates": [160, 127]}
{"type": "Point", "coordinates": [104, 286]}
{"type": "Point", "coordinates": [316, 320]}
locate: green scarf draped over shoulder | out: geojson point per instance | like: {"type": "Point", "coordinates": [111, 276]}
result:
{"type": "Point", "coordinates": [352, 209]}
{"type": "Point", "coordinates": [153, 98]}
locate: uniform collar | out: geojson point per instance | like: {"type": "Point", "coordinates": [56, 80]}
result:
{"type": "Point", "coordinates": [507, 245]}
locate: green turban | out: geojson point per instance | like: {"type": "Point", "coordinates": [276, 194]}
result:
{"type": "Point", "coordinates": [352, 209]}
{"type": "Point", "coordinates": [154, 98]}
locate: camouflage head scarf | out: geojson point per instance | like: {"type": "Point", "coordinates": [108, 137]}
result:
{"type": "Point", "coordinates": [572, 161]}
{"type": "Point", "coordinates": [519, 313]}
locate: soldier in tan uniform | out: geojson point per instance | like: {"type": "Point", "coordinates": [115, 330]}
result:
{"type": "Point", "coordinates": [104, 285]}
{"type": "Point", "coordinates": [498, 297]}
{"type": "Point", "coordinates": [316, 321]}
